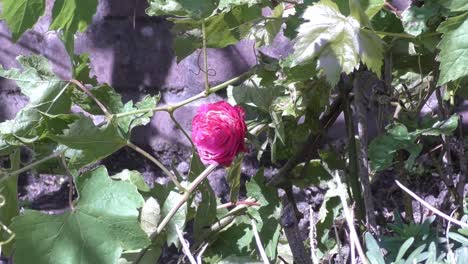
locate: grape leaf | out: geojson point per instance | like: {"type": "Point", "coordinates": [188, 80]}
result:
{"type": "Point", "coordinates": [206, 211]}
{"type": "Point", "coordinates": [224, 4]}
{"type": "Point", "coordinates": [37, 81]}
{"type": "Point", "coordinates": [129, 122]}
{"type": "Point", "coordinates": [453, 49]}
{"type": "Point", "coordinates": [187, 8]}
{"type": "Point", "coordinates": [72, 16]}
{"type": "Point", "coordinates": [415, 19]}
{"type": "Point", "coordinates": [103, 223]}
{"type": "Point", "coordinates": [134, 177]}
{"type": "Point", "coordinates": [21, 15]}
{"type": "Point", "coordinates": [89, 143]}
{"type": "Point", "coordinates": [105, 94]}
{"type": "Point", "coordinates": [178, 220]}
{"type": "Point", "coordinates": [233, 177]}
{"type": "Point", "coordinates": [265, 31]}
{"type": "Point", "coordinates": [267, 216]}
{"type": "Point", "coordinates": [454, 5]}
{"type": "Point", "coordinates": [337, 42]}
{"type": "Point", "coordinates": [222, 29]}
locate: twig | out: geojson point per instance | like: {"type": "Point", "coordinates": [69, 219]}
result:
{"type": "Point", "coordinates": [88, 93]}
{"type": "Point", "coordinates": [447, 238]}
{"type": "Point", "coordinates": [29, 166]}
{"type": "Point", "coordinates": [230, 204]}
{"type": "Point", "coordinates": [170, 108]}
{"type": "Point", "coordinates": [261, 250]}
{"type": "Point", "coordinates": [350, 220]}
{"type": "Point", "coordinates": [158, 163]}
{"type": "Point", "coordinates": [174, 209]}
{"type": "Point", "coordinates": [200, 254]}
{"type": "Point", "coordinates": [312, 236]}
{"type": "Point", "coordinates": [185, 246]}
{"type": "Point", "coordinates": [430, 207]}
{"type": "Point", "coordinates": [205, 60]}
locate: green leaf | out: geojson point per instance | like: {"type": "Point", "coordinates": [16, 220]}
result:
{"type": "Point", "coordinates": [372, 7]}
{"type": "Point", "coordinates": [72, 16]}
{"type": "Point", "coordinates": [415, 19]}
{"type": "Point", "coordinates": [188, 8]}
{"type": "Point", "coordinates": [89, 143]}
{"type": "Point", "coordinates": [129, 122]}
{"type": "Point", "coordinates": [454, 5]}
{"type": "Point", "coordinates": [233, 177]}
{"type": "Point", "coordinates": [222, 30]}
{"type": "Point", "coordinates": [459, 238]}
{"type": "Point", "coordinates": [105, 94]}
{"type": "Point", "coordinates": [103, 223]}
{"type": "Point", "coordinates": [37, 81]}
{"type": "Point", "coordinates": [267, 216]}
{"type": "Point", "coordinates": [206, 211]}
{"type": "Point", "coordinates": [150, 216]}
{"type": "Point", "coordinates": [9, 192]}
{"type": "Point", "coordinates": [453, 49]}
{"type": "Point", "coordinates": [82, 69]}
{"type": "Point", "coordinates": [134, 177]}
{"type": "Point", "coordinates": [239, 260]}
{"type": "Point", "coordinates": [373, 250]}
{"type": "Point", "coordinates": [404, 248]}
{"type": "Point", "coordinates": [337, 42]}
{"type": "Point", "coordinates": [178, 220]}
{"type": "Point", "coordinates": [312, 173]}
{"type": "Point", "coordinates": [265, 31]}
{"type": "Point", "coordinates": [196, 167]}
{"type": "Point", "coordinates": [21, 15]}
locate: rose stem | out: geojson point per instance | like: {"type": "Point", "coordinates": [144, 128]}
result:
{"type": "Point", "coordinates": [191, 188]}
{"type": "Point", "coordinates": [158, 163]}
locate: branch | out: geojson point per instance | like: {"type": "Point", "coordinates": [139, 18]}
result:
{"type": "Point", "coordinates": [185, 246]}
{"type": "Point", "coordinates": [430, 207]}
{"type": "Point", "coordinates": [205, 60]}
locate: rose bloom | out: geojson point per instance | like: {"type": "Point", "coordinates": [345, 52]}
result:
{"type": "Point", "coordinates": [218, 132]}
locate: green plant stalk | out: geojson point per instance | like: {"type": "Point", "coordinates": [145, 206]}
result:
{"type": "Point", "coordinates": [353, 176]}
{"type": "Point", "coordinates": [171, 108]}
{"type": "Point", "coordinates": [30, 166]}
{"type": "Point", "coordinates": [158, 163]}
{"type": "Point", "coordinates": [191, 188]}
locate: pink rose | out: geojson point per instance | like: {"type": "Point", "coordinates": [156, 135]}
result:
{"type": "Point", "coordinates": [218, 132]}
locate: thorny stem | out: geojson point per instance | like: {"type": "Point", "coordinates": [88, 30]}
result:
{"type": "Point", "coordinates": [88, 93]}
{"type": "Point", "coordinates": [30, 166]}
{"type": "Point", "coordinates": [158, 163]}
{"type": "Point", "coordinates": [191, 188]}
{"type": "Point", "coordinates": [205, 60]}
{"type": "Point", "coordinates": [171, 108]}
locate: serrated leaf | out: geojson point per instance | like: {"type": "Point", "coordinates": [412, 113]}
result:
{"type": "Point", "coordinates": [21, 15]}
{"type": "Point", "coordinates": [233, 177]}
{"type": "Point", "coordinates": [337, 42]}
{"type": "Point", "coordinates": [37, 81]}
{"type": "Point", "coordinates": [206, 211]}
{"type": "Point", "coordinates": [311, 173]}
{"type": "Point", "coordinates": [267, 215]}
{"type": "Point", "coordinates": [89, 143]}
{"type": "Point", "coordinates": [134, 177]}
{"type": "Point", "coordinates": [453, 49]}
{"type": "Point", "coordinates": [150, 216]}
{"type": "Point", "coordinates": [265, 31]}
{"type": "Point", "coordinates": [414, 19]}
{"type": "Point", "coordinates": [178, 220]}
{"type": "Point", "coordinates": [82, 69]}
{"type": "Point", "coordinates": [222, 30]}
{"type": "Point", "coordinates": [185, 8]}
{"type": "Point", "coordinates": [129, 122]}
{"type": "Point", "coordinates": [72, 16]}
{"type": "Point", "coordinates": [104, 222]}
{"type": "Point", "coordinates": [454, 5]}
{"type": "Point", "coordinates": [105, 94]}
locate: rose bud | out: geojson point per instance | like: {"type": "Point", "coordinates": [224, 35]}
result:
{"type": "Point", "coordinates": [218, 132]}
